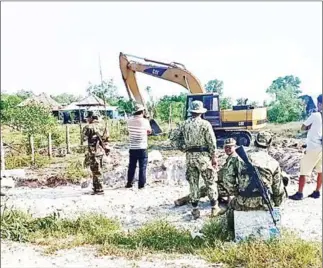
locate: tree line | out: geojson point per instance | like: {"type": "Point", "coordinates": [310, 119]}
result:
{"type": "Point", "coordinates": [285, 105]}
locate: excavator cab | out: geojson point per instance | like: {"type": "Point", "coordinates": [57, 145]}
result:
{"type": "Point", "coordinates": [211, 103]}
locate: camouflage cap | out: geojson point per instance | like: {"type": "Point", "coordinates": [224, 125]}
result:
{"type": "Point", "coordinates": [197, 107]}
{"type": "Point", "coordinates": [138, 108]}
{"type": "Point", "coordinates": [230, 142]}
{"type": "Point", "coordinates": [263, 138]}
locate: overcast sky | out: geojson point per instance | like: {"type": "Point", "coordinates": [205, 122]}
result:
{"type": "Point", "coordinates": [53, 47]}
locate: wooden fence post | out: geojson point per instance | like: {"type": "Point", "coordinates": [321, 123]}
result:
{"type": "Point", "coordinates": [3, 165]}
{"type": "Point", "coordinates": [32, 149]}
{"type": "Point", "coordinates": [68, 149]}
{"type": "Point", "coordinates": [50, 145]}
{"type": "Point", "coordinates": [81, 138]}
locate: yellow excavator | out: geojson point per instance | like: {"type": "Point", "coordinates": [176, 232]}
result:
{"type": "Point", "coordinates": [235, 123]}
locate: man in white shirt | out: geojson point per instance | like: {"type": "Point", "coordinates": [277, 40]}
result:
{"type": "Point", "coordinates": [139, 128]}
{"type": "Point", "coordinates": [312, 158]}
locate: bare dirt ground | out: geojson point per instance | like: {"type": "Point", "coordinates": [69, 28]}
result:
{"type": "Point", "coordinates": [133, 208]}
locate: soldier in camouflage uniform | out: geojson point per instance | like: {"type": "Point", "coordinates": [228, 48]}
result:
{"type": "Point", "coordinates": [228, 169]}
{"type": "Point", "coordinates": [201, 160]}
{"type": "Point", "coordinates": [96, 148]}
{"type": "Point", "coordinates": [271, 175]}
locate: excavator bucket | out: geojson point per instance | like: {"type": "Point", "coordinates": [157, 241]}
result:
{"type": "Point", "coordinates": [156, 130]}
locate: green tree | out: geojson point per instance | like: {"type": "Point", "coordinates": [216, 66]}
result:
{"type": "Point", "coordinates": [287, 107]}
{"type": "Point", "coordinates": [107, 91]}
{"type": "Point", "coordinates": [215, 86]}
{"type": "Point", "coordinates": [282, 83]}
{"type": "Point", "coordinates": [124, 105]}
{"type": "Point", "coordinates": [8, 104]}
{"type": "Point", "coordinates": [226, 103]}
{"type": "Point", "coordinates": [33, 119]}
{"type": "Point", "coordinates": [174, 104]}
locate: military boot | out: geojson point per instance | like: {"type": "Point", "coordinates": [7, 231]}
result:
{"type": "Point", "coordinates": [216, 210]}
{"type": "Point", "coordinates": [97, 191]}
{"type": "Point", "coordinates": [182, 201]}
{"type": "Point", "coordinates": [196, 213]}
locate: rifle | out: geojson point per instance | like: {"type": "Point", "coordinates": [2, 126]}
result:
{"type": "Point", "coordinates": [255, 183]}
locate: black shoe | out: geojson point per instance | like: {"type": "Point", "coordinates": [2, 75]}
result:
{"type": "Point", "coordinates": [141, 187]}
{"type": "Point", "coordinates": [98, 192]}
{"type": "Point", "coordinates": [128, 185]}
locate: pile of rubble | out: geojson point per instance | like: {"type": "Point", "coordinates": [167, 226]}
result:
{"type": "Point", "coordinates": [167, 167]}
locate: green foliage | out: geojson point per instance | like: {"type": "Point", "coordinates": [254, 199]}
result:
{"type": "Point", "coordinates": [66, 98]}
{"type": "Point", "coordinates": [156, 237]}
{"type": "Point", "coordinates": [23, 160]}
{"type": "Point", "coordinates": [282, 83]}
{"type": "Point", "coordinates": [8, 103]}
{"type": "Point", "coordinates": [286, 108]}
{"type": "Point", "coordinates": [226, 103]}
{"type": "Point", "coordinates": [33, 119]}
{"type": "Point", "coordinates": [106, 91]}
{"type": "Point", "coordinates": [124, 105]}
{"type": "Point", "coordinates": [173, 104]}
{"type": "Point", "coordinates": [215, 86]}
{"type": "Point", "coordinates": [75, 171]}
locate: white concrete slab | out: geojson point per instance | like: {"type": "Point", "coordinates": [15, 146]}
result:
{"type": "Point", "coordinates": [257, 224]}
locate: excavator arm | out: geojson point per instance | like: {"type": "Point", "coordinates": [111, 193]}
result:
{"type": "Point", "coordinates": [173, 72]}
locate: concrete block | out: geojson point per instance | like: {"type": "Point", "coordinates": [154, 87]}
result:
{"type": "Point", "coordinates": [256, 224]}
{"type": "Point", "coordinates": [7, 183]}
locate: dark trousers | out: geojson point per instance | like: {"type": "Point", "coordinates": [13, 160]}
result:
{"type": "Point", "coordinates": [141, 156]}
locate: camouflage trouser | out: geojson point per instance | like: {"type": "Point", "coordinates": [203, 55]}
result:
{"type": "Point", "coordinates": [203, 192]}
{"type": "Point", "coordinates": [96, 169]}
{"type": "Point", "coordinates": [209, 177]}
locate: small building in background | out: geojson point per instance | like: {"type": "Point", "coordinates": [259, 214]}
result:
{"type": "Point", "coordinates": [76, 110]}
{"type": "Point", "coordinates": [45, 100]}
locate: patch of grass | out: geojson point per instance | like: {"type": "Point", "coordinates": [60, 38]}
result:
{"type": "Point", "coordinates": [162, 236]}
{"type": "Point", "coordinates": [21, 161]}
{"type": "Point", "coordinates": [74, 171]}
{"type": "Point", "coordinates": [215, 230]}
{"type": "Point", "coordinates": [286, 252]}
{"type": "Point", "coordinates": [158, 237]}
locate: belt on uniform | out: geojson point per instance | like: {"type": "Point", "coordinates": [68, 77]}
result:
{"type": "Point", "coordinates": [197, 149]}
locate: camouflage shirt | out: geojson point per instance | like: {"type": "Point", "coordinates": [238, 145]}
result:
{"type": "Point", "coordinates": [270, 172]}
{"type": "Point", "coordinates": [198, 132]}
{"type": "Point", "coordinates": [230, 172]}
{"type": "Point", "coordinates": [92, 133]}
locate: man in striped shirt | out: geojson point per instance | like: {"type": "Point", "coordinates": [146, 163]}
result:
{"type": "Point", "coordinates": [139, 128]}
